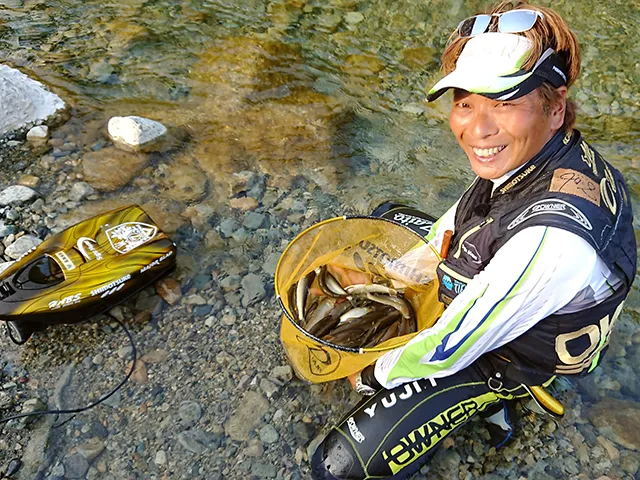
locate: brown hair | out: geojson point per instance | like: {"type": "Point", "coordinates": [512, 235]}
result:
{"type": "Point", "coordinates": [548, 32]}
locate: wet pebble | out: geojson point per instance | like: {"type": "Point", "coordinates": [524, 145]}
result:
{"type": "Point", "coordinates": [284, 373]}
{"type": "Point", "coordinates": [268, 387]}
{"type": "Point", "coordinates": [110, 169]}
{"type": "Point", "coordinates": [91, 449]}
{"type": "Point", "coordinates": [353, 18]}
{"type": "Point", "coordinates": [75, 466]}
{"type": "Point", "coordinates": [244, 203]}
{"type": "Point", "coordinates": [228, 226]}
{"type": "Point", "coordinates": [30, 181]}
{"type": "Point", "coordinates": [252, 289]}
{"type": "Point", "coordinates": [251, 409]}
{"type": "Point", "coordinates": [198, 441]}
{"type": "Point", "coordinates": [263, 470]}
{"type": "Point", "coordinates": [80, 191]}
{"type": "Point", "coordinates": [190, 413]}
{"type": "Point", "coordinates": [228, 319]}
{"type": "Point", "coordinates": [101, 72]}
{"type": "Point", "coordinates": [268, 434]}
{"type": "Point", "coordinates": [169, 289]}
{"type": "Point", "coordinates": [160, 458]}
{"type": "Point", "coordinates": [13, 467]}
{"type": "Point", "coordinates": [17, 194]}
{"type": "Point", "coordinates": [21, 246]}
{"type": "Point", "coordinates": [255, 220]}
{"type": "Point", "coordinates": [254, 448]}
{"type": "Point", "coordinates": [38, 135]}
{"type": "Point", "coordinates": [155, 356]}
{"type": "Point", "coordinates": [5, 229]}
{"type": "Point", "coordinates": [6, 400]}
{"type": "Point", "coordinates": [303, 432]}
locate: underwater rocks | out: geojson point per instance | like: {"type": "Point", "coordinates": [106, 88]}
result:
{"type": "Point", "coordinates": [24, 102]}
{"type": "Point", "coordinates": [110, 168]}
{"type": "Point", "coordinates": [618, 420]}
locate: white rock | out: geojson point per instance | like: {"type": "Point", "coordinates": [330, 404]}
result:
{"type": "Point", "coordinates": [161, 457]}
{"type": "Point", "coordinates": [16, 194]}
{"type": "Point", "coordinates": [353, 17]}
{"type": "Point", "coordinates": [21, 246]}
{"type": "Point", "coordinates": [39, 134]}
{"type": "Point", "coordinates": [135, 133]}
{"type": "Point", "coordinates": [23, 101]}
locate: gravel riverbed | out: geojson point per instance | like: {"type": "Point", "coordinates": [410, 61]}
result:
{"type": "Point", "coordinates": [213, 396]}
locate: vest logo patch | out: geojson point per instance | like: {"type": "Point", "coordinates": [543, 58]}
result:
{"type": "Point", "coordinates": [472, 252]}
{"type": "Point", "coordinates": [517, 180]}
{"type": "Point", "coordinates": [555, 207]}
{"type": "Point", "coordinates": [575, 183]}
{"type": "Point", "coordinates": [453, 285]}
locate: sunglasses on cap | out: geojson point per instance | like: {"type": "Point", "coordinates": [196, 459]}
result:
{"type": "Point", "coordinates": [513, 21]}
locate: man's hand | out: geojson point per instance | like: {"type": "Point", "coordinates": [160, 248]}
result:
{"type": "Point", "coordinates": [356, 382]}
{"type": "Point", "coordinates": [352, 379]}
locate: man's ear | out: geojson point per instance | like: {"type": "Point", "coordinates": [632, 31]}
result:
{"type": "Point", "coordinates": [559, 108]}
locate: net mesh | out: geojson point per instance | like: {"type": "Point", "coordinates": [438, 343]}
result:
{"type": "Point", "coordinates": [355, 249]}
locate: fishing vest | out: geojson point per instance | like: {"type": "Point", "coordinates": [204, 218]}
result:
{"type": "Point", "coordinates": [567, 185]}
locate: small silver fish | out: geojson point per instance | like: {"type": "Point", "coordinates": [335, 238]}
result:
{"type": "Point", "coordinates": [323, 309]}
{"type": "Point", "coordinates": [364, 288]}
{"type": "Point", "coordinates": [302, 292]}
{"type": "Point", "coordinates": [329, 285]}
{"type": "Point", "coordinates": [399, 303]}
{"type": "Point", "coordinates": [355, 313]}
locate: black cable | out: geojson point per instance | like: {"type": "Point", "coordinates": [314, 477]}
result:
{"type": "Point", "coordinates": [91, 405]}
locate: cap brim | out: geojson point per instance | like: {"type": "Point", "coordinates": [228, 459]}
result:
{"type": "Point", "coordinates": [490, 86]}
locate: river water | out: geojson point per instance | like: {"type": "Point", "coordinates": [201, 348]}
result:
{"type": "Point", "coordinates": [325, 95]}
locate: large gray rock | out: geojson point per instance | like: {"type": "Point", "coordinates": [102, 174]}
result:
{"type": "Point", "coordinates": [23, 101]}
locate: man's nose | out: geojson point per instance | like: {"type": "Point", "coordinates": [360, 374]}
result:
{"type": "Point", "coordinates": [484, 125]}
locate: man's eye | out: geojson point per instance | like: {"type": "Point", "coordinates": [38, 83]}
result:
{"type": "Point", "coordinates": [463, 105]}
{"type": "Point", "coordinates": [506, 104]}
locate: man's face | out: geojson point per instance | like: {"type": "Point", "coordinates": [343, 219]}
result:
{"type": "Point", "coordinates": [500, 136]}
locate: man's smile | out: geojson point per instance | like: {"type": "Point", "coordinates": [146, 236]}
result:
{"type": "Point", "coordinates": [487, 153]}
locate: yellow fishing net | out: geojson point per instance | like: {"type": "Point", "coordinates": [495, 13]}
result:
{"type": "Point", "coordinates": [372, 246]}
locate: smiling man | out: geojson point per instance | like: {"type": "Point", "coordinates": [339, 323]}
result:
{"type": "Point", "coordinates": [542, 255]}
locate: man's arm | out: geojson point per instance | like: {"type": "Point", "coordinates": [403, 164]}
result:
{"type": "Point", "coordinates": [537, 272]}
{"type": "Point", "coordinates": [444, 223]}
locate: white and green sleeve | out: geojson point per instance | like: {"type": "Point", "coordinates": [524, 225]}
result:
{"type": "Point", "coordinates": [444, 223]}
{"type": "Point", "coordinates": [540, 271]}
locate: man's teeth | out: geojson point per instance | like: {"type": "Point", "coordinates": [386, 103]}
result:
{"type": "Point", "coordinates": [488, 152]}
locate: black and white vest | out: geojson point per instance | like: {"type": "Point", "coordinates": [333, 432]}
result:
{"type": "Point", "coordinates": [567, 185]}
